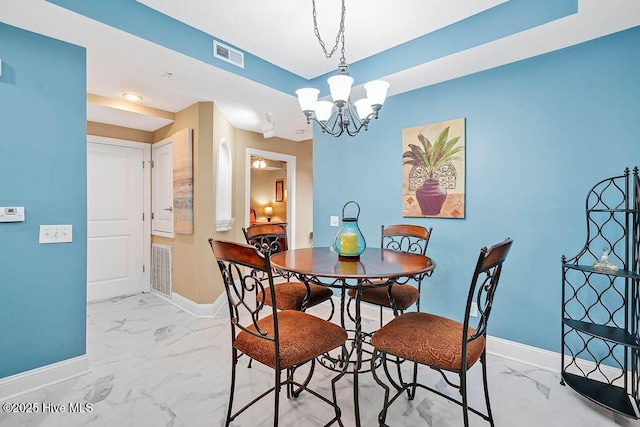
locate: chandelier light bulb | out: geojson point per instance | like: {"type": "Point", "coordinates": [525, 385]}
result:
{"type": "Point", "coordinates": [323, 110]}
{"type": "Point", "coordinates": [307, 97]}
{"type": "Point", "coordinates": [340, 87]}
{"type": "Point", "coordinates": [363, 107]}
{"type": "Point", "coordinates": [376, 91]}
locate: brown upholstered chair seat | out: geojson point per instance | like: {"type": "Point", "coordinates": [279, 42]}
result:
{"type": "Point", "coordinates": [282, 340]}
{"type": "Point", "coordinates": [442, 344]}
{"type": "Point", "coordinates": [428, 339]}
{"type": "Point", "coordinates": [404, 295]}
{"type": "Point", "coordinates": [302, 337]}
{"type": "Point", "coordinates": [290, 295]}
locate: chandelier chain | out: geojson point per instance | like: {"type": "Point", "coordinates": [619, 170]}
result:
{"type": "Point", "coordinates": [339, 36]}
{"type": "Point", "coordinates": [341, 115]}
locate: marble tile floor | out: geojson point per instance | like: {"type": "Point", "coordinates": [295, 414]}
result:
{"type": "Point", "coordinates": [153, 364]}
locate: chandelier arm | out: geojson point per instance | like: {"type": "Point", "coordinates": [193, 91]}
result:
{"type": "Point", "coordinates": [358, 127]}
{"type": "Point", "coordinates": [336, 127]}
{"type": "Point", "coordinates": [333, 132]}
{"type": "Point", "coordinates": [362, 123]}
{"type": "Point", "coordinates": [353, 123]}
{"type": "Point", "coordinates": [344, 120]}
{"type": "Point", "coordinates": [328, 127]}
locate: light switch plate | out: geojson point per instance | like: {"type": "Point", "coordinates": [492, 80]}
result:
{"type": "Point", "coordinates": [473, 312]}
{"type": "Point", "coordinates": [56, 234]}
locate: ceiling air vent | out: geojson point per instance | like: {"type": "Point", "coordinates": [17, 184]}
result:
{"type": "Point", "coordinates": [228, 54]}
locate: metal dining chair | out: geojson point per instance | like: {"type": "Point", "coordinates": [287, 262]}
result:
{"type": "Point", "coordinates": [442, 344]}
{"type": "Point", "coordinates": [291, 295]}
{"type": "Point", "coordinates": [282, 340]}
{"type": "Point", "coordinates": [399, 297]}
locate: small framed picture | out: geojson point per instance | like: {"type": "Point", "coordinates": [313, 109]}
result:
{"type": "Point", "coordinates": [279, 191]}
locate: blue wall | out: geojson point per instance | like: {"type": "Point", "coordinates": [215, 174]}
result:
{"type": "Point", "coordinates": [43, 168]}
{"type": "Point", "coordinates": [540, 133]}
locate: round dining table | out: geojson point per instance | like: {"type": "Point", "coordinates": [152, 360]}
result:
{"type": "Point", "coordinates": [375, 267]}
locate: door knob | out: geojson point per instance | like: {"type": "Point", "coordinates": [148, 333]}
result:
{"type": "Point", "coordinates": [168, 209]}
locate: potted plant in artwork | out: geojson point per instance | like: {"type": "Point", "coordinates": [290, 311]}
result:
{"type": "Point", "coordinates": [431, 157]}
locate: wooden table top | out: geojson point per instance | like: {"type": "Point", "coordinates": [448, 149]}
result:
{"type": "Point", "coordinates": [374, 263]}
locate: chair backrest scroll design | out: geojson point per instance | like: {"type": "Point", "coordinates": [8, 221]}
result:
{"type": "Point", "coordinates": [483, 286]}
{"type": "Point", "coordinates": [274, 236]}
{"type": "Point", "coordinates": [242, 285]}
{"type": "Point", "coordinates": [405, 238]}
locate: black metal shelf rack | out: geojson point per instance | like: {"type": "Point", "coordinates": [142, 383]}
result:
{"type": "Point", "coordinates": [601, 307]}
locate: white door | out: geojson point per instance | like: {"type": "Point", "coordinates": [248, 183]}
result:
{"type": "Point", "coordinates": [162, 222]}
{"type": "Point", "coordinates": [115, 225]}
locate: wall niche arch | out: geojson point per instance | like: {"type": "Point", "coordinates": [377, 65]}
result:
{"type": "Point", "coordinates": [224, 175]}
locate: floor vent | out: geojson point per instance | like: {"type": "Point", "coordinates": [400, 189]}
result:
{"type": "Point", "coordinates": [161, 269]}
{"type": "Point", "coordinates": [228, 54]}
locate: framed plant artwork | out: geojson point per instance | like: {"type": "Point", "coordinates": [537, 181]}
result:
{"type": "Point", "coordinates": [433, 170]}
{"type": "Point", "coordinates": [279, 191]}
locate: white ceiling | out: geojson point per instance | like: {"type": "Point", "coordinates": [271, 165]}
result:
{"type": "Point", "coordinates": [281, 32]}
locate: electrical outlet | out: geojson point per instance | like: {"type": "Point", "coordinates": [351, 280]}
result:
{"type": "Point", "coordinates": [474, 309]}
{"type": "Point", "coordinates": [334, 221]}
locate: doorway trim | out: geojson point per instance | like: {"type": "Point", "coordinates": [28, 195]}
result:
{"type": "Point", "coordinates": [291, 188]}
{"type": "Point", "coordinates": [146, 203]}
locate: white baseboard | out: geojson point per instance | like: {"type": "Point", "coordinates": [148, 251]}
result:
{"type": "Point", "coordinates": [217, 309]}
{"type": "Point", "coordinates": [197, 310]}
{"type": "Point", "coordinates": [534, 356]}
{"type": "Point", "coordinates": [510, 350]}
{"type": "Point", "coordinates": [220, 307]}
{"type": "Point", "coordinates": [26, 382]}
{"type": "Point", "coordinates": [544, 359]}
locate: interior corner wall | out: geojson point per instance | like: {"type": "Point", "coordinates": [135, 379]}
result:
{"type": "Point", "coordinates": [195, 275]}
{"type": "Point", "coordinates": [303, 152]}
{"type": "Point", "coordinates": [192, 271]}
{"type": "Point", "coordinates": [43, 287]}
{"type": "Point", "coordinates": [539, 134]}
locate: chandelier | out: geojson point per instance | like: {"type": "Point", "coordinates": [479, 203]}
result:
{"type": "Point", "coordinates": [259, 163]}
{"type": "Point", "coordinates": [341, 115]}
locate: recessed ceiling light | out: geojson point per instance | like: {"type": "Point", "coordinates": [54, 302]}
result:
{"type": "Point", "coordinates": [132, 97]}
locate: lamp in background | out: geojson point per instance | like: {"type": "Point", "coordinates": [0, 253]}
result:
{"type": "Point", "coordinates": [267, 126]}
{"type": "Point", "coordinates": [341, 115]}
{"type": "Point", "coordinates": [268, 212]}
